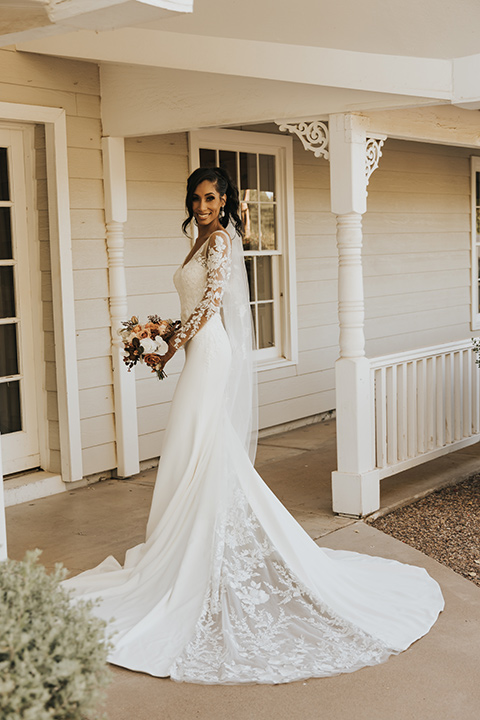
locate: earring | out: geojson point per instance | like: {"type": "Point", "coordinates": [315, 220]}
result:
{"type": "Point", "coordinates": [221, 214]}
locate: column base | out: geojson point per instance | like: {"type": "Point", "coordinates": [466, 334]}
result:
{"type": "Point", "coordinates": [356, 495]}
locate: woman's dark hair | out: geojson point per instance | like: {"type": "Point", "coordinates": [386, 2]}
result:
{"type": "Point", "coordinates": [224, 186]}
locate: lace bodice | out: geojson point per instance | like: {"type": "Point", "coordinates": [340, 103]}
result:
{"type": "Point", "coordinates": [200, 284]}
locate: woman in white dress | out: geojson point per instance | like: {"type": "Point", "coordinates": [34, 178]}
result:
{"type": "Point", "coordinates": [228, 588]}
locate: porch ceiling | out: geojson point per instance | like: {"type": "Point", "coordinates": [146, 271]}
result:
{"type": "Point", "coordinates": [374, 54]}
{"type": "Point", "coordinates": [429, 29]}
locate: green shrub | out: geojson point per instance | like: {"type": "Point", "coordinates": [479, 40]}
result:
{"type": "Point", "coordinates": [52, 652]}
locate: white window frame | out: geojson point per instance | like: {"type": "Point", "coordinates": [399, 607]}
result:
{"type": "Point", "coordinates": [475, 244]}
{"type": "Point", "coordinates": [286, 352]}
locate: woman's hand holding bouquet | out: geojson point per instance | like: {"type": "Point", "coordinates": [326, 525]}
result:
{"type": "Point", "coordinates": [148, 343]}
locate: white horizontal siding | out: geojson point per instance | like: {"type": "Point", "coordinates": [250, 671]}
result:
{"type": "Point", "coordinates": [74, 86]}
{"type": "Point", "coordinates": [417, 248]}
{"type": "Point", "coordinates": [157, 169]}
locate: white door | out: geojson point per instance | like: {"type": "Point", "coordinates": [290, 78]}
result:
{"type": "Point", "coordinates": [18, 354]}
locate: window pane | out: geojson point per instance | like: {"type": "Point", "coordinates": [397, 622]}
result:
{"type": "Point", "coordinates": [10, 410]}
{"type": "Point", "coordinates": [250, 221]}
{"type": "Point", "coordinates": [265, 326]}
{"type": "Point", "coordinates": [208, 158]}
{"type": "Point", "coordinates": [248, 176]}
{"type": "Point", "coordinates": [4, 191]}
{"type": "Point", "coordinates": [5, 234]}
{"type": "Point", "coordinates": [264, 277]}
{"type": "Point", "coordinates": [477, 183]}
{"type": "Point", "coordinates": [8, 350]}
{"type": "Point", "coordinates": [267, 214]}
{"type": "Point", "coordinates": [228, 161]}
{"type": "Point", "coordinates": [7, 292]}
{"type": "Point", "coordinates": [249, 261]}
{"type": "Point", "coordinates": [267, 177]}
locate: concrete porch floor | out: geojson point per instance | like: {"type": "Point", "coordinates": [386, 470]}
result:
{"type": "Point", "coordinates": [435, 679]}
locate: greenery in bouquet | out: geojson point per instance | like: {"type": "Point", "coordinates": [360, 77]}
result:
{"type": "Point", "coordinates": [147, 343]}
{"type": "Point", "coordinates": [53, 651]}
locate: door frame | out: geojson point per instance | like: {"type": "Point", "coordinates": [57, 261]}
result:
{"type": "Point", "coordinates": [27, 283]}
{"type": "Point", "coordinates": [54, 120]}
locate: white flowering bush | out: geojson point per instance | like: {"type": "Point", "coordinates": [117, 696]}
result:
{"type": "Point", "coordinates": [52, 652]}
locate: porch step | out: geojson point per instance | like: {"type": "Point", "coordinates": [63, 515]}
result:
{"type": "Point", "coordinates": [32, 486]}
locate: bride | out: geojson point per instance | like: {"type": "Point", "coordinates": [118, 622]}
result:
{"type": "Point", "coordinates": [227, 587]}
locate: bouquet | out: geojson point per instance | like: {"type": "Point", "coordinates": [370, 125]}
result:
{"type": "Point", "coordinates": [147, 343]}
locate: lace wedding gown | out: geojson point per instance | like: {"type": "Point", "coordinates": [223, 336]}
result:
{"type": "Point", "coordinates": [227, 587]}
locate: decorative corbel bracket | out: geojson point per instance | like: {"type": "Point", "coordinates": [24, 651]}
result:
{"type": "Point", "coordinates": [373, 153]}
{"type": "Point", "coordinates": [312, 133]}
{"type": "Point", "coordinates": [314, 136]}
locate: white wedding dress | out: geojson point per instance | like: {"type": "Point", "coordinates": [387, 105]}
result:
{"type": "Point", "coordinates": [228, 588]}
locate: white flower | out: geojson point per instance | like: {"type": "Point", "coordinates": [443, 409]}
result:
{"type": "Point", "coordinates": [148, 345]}
{"type": "Point", "coordinates": [162, 346]}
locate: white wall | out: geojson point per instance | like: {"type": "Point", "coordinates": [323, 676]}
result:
{"type": "Point", "coordinates": [157, 169]}
{"type": "Point", "coordinates": [417, 248]}
{"type": "Point", "coordinates": [74, 86]}
{"type": "Point", "coordinates": [416, 265]}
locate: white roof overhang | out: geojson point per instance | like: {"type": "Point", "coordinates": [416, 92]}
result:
{"type": "Point", "coordinates": [23, 20]}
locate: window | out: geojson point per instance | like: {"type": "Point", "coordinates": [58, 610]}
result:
{"type": "Point", "coordinates": [261, 165]}
{"type": "Point", "coordinates": [475, 243]}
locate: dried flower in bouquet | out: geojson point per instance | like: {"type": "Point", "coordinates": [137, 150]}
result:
{"type": "Point", "coordinates": [147, 343]}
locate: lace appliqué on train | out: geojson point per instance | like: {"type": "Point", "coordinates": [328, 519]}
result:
{"type": "Point", "coordinates": [217, 264]}
{"type": "Point", "coordinates": [259, 624]}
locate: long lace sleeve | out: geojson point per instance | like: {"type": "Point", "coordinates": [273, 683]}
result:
{"type": "Point", "coordinates": [218, 271]}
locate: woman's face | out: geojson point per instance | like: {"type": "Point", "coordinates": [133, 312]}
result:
{"type": "Point", "coordinates": [206, 203]}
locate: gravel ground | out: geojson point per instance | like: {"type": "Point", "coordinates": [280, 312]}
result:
{"type": "Point", "coordinates": [444, 525]}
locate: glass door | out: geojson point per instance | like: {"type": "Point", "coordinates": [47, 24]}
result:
{"type": "Point", "coordinates": [18, 355]}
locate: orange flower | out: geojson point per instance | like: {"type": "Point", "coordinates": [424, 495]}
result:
{"type": "Point", "coordinates": [152, 360]}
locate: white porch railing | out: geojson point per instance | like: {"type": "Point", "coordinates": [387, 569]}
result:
{"type": "Point", "coordinates": [426, 404]}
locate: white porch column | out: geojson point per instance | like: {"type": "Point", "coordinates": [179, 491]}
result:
{"type": "Point", "coordinates": [126, 427]}
{"type": "Point", "coordinates": [356, 483]}
{"type": "Point", "coordinates": [3, 526]}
